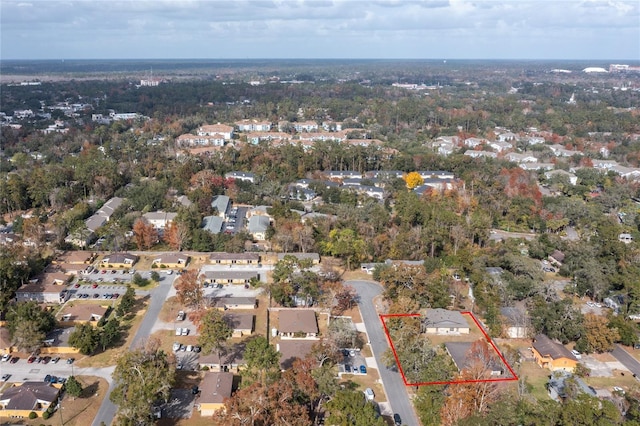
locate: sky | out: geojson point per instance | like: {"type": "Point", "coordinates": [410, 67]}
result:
{"type": "Point", "coordinates": [350, 29]}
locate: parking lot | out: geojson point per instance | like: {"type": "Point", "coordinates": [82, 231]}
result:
{"type": "Point", "coordinates": [96, 291]}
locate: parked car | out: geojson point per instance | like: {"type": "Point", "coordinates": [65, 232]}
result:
{"type": "Point", "coordinates": [46, 359]}
{"type": "Point", "coordinates": [363, 369]}
{"type": "Point", "coordinates": [178, 331]}
{"type": "Point", "coordinates": [176, 347]}
{"type": "Point", "coordinates": [14, 360]}
{"type": "Point", "coordinates": [347, 368]}
{"type": "Point", "coordinates": [55, 360]}
{"type": "Point", "coordinates": [70, 360]}
{"type": "Point", "coordinates": [197, 348]}
{"type": "Point", "coordinates": [6, 357]}
{"type": "Point", "coordinates": [5, 377]}
{"type": "Point", "coordinates": [189, 348]}
{"type": "Point", "coordinates": [185, 331]}
{"type": "Point", "coordinates": [397, 421]}
{"type": "Point", "coordinates": [181, 316]}
{"type": "Point", "coordinates": [179, 366]}
{"type": "Point", "coordinates": [577, 354]}
{"type": "Point", "coordinates": [368, 394]}
{"type": "Point", "coordinates": [31, 359]}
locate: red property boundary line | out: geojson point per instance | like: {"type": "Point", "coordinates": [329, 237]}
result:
{"type": "Point", "coordinates": [513, 377]}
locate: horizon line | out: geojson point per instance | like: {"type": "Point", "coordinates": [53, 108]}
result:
{"type": "Point", "coordinates": [317, 59]}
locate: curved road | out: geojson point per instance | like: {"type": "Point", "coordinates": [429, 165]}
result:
{"type": "Point", "coordinates": [107, 410]}
{"type": "Point", "coordinates": [392, 381]}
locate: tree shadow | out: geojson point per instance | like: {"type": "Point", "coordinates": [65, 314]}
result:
{"type": "Point", "coordinates": [90, 390]}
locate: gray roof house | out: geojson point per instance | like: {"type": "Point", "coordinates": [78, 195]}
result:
{"type": "Point", "coordinates": [246, 176]}
{"type": "Point", "coordinates": [212, 224]}
{"type": "Point", "coordinates": [220, 203]}
{"type": "Point", "coordinates": [258, 226]}
{"type": "Point", "coordinates": [29, 396]}
{"type": "Point", "coordinates": [442, 321]}
{"type": "Point", "coordinates": [459, 352]}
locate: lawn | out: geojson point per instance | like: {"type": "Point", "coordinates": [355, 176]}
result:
{"type": "Point", "coordinates": [369, 380]}
{"type": "Point", "coordinates": [536, 377]}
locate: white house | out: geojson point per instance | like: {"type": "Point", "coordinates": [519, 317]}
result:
{"type": "Point", "coordinates": [442, 321]}
{"type": "Point", "coordinates": [478, 154]}
{"type": "Point", "coordinates": [210, 130]}
{"type": "Point", "coordinates": [160, 220]}
{"type": "Point", "coordinates": [520, 158]}
{"type": "Point", "coordinates": [245, 176]}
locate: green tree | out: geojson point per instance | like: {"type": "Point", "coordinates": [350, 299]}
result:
{"type": "Point", "coordinates": [598, 336]}
{"type": "Point", "coordinates": [127, 302]}
{"type": "Point", "coordinates": [346, 244]}
{"type": "Point", "coordinates": [110, 333]}
{"type": "Point", "coordinates": [85, 338]}
{"type": "Point", "coordinates": [73, 387]}
{"type": "Point", "coordinates": [28, 325]}
{"type": "Point", "coordinates": [263, 361]}
{"type": "Point", "coordinates": [349, 408]}
{"type": "Point", "coordinates": [213, 332]}
{"type": "Point", "coordinates": [142, 377]}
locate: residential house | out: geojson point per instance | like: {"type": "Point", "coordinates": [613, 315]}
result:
{"type": "Point", "coordinates": [230, 359]}
{"type": "Point", "coordinates": [573, 179]}
{"type": "Point", "coordinates": [244, 176]}
{"type": "Point", "coordinates": [516, 322]}
{"type": "Point", "coordinates": [305, 126]}
{"type": "Point", "coordinates": [240, 324]}
{"type": "Point", "coordinates": [212, 224]}
{"type": "Point", "coordinates": [95, 221]}
{"type": "Point", "coordinates": [247, 258]}
{"type": "Point", "coordinates": [184, 201]}
{"type": "Point", "coordinates": [80, 313]}
{"type": "Point", "coordinates": [301, 194]}
{"type": "Point", "coordinates": [439, 174]}
{"type": "Point", "coordinates": [459, 353]}
{"type": "Point", "coordinates": [508, 137]}
{"type": "Point", "coordinates": [221, 129]}
{"type": "Point", "coordinates": [47, 288]}
{"type": "Point", "coordinates": [258, 226]}
{"type": "Point", "coordinates": [560, 151]}
{"type": "Point", "coordinates": [369, 267]}
{"type": "Point", "coordinates": [171, 260]}
{"type": "Point", "coordinates": [20, 399]}
{"type": "Point", "coordinates": [343, 174]}
{"type": "Point", "coordinates": [534, 140]}
{"type": "Point", "coordinates": [557, 257]}
{"type": "Point", "coordinates": [625, 238]}
{"type": "Point", "coordinates": [190, 141]}
{"type": "Point", "coordinates": [626, 172]}
{"type": "Point", "coordinates": [604, 164]}
{"type": "Point", "coordinates": [160, 220]}
{"type": "Point", "coordinates": [436, 184]}
{"type": "Point", "coordinates": [229, 277]}
{"type": "Point", "coordinates": [215, 388]}
{"type": "Point", "coordinates": [552, 355]}
{"type": "Point", "coordinates": [442, 321]}
{"type": "Point", "coordinates": [119, 260]}
{"type": "Point", "coordinates": [558, 382]}
{"type": "Point", "coordinates": [290, 350]}
{"type": "Point", "coordinates": [253, 126]}
{"type": "Point", "coordinates": [235, 303]}
{"type": "Point", "coordinates": [314, 257]}
{"type": "Point", "coordinates": [220, 203]}
{"type": "Point", "coordinates": [473, 142]}
{"type": "Point", "coordinates": [478, 154]}
{"type": "Point", "coordinates": [500, 146]}
{"type": "Point", "coordinates": [297, 323]}
{"type": "Point", "coordinates": [520, 158]}
{"type": "Point", "coordinates": [537, 166]}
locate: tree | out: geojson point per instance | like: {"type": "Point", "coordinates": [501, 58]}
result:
{"type": "Point", "coordinates": [343, 333]}
{"type": "Point", "coordinates": [110, 333]}
{"type": "Point", "coordinates": [598, 336]}
{"type": "Point", "coordinates": [189, 290]}
{"type": "Point", "coordinates": [144, 234]}
{"type": "Point", "coordinates": [142, 377]}
{"type": "Point", "coordinates": [127, 302]}
{"type": "Point", "coordinates": [85, 338]}
{"type": "Point", "coordinates": [28, 325]}
{"type": "Point", "coordinates": [346, 244]}
{"type": "Point", "coordinates": [73, 387]}
{"type": "Point", "coordinates": [345, 299]}
{"type": "Point", "coordinates": [263, 361]}
{"type": "Point", "coordinates": [413, 180]}
{"type": "Point", "coordinates": [349, 407]}
{"type": "Point", "coordinates": [176, 235]}
{"type": "Point", "coordinates": [155, 276]}
{"type": "Point", "coordinates": [213, 332]}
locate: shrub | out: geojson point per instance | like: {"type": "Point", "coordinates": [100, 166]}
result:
{"type": "Point", "coordinates": [33, 415]}
{"type": "Point", "coordinates": [205, 368]}
{"type": "Point", "coordinates": [46, 415]}
{"type": "Point", "coordinates": [154, 266]}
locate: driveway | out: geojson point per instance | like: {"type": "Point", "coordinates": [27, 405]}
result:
{"type": "Point", "coordinates": [107, 410]}
{"type": "Point", "coordinates": [626, 359]}
{"type": "Point", "coordinates": [392, 381]}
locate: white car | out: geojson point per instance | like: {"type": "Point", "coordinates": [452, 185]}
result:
{"type": "Point", "coordinates": [368, 394]}
{"type": "Point", "coordinates": [6, 357]}
{"type": "Point", "coordinates": [178, 331]}
{"type": "Point", "coordinates": [189, 348]}
{"type": "Point", "coordinates": [176, 347]}
{"type": "Point", "coordinates": [185, 331]}
{"type": "Point", "coordinates": [577, 354]}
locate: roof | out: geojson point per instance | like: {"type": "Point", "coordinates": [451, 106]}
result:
{"type": "Point", "coordinates": [548, 348]}
{"type": "Point", "coordinates": [220, 203]}
{"type": "Point", "coordinates": [228, 301]}
{"type": "Point", "coordinates": [229, 355]}
{"type": "Point", "coordinates": [120, 258]}
{"type": "Point", "coordinates": [73, 257]}
{"type": "Point", "coordinates": [171, 258]}
{"type": "Point", "coordinates": [83, 312]}
{"type": "Point", "coordinates": [444, 318]}
{"type": "Point", "coordinates": [292, 349]}
{"type": "Point", "coordinates": [239, 321]}
{"type": "Point", "coordinates": [110, 206]}
{"type": "Point", "coordinates": [297, 320]}
{"type": "Point", "coordinates": [258, 224]}
{"type": "Point", "coordinates": [230, 275]}
{"type": "Point", "coordinates": [212, 224]}
{"type": "Point", "coordinates": [234, 256]}
{"type": "Point", "coordinates": [300, 256]}
{"type": "Point", "coordinates": [459, 352]}
{"type": "Point", "coordinates": [215, 387]}
{"type": "Point", "coordinates": [27, 396]}
{"type": "Point", "coordinates": [160, 216]}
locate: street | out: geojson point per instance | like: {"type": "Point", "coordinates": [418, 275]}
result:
{"type": "Point", "coordinates": [107, 410]}
{"type": "Point", "coordinates": [626, 359]}
{"type": "Point", "coordinates": [392, 381]}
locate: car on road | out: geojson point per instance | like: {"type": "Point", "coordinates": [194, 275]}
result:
{"type": "Point", "coordinates": [94, 285]}
{"type": "Point", "coordinates": [397, 421]}
{"type": "Point", "coordinates": [618, 389]}
{"type": "Point", "coordinates": [70, 360]}
{"type": "Point", "coordinates": [363, 369]}
{"type": "Point", "coordinates": [368, 394]}
{"type": "Point", "coordinates": [5, 377]}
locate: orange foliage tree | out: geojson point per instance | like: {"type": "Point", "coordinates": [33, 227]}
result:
{"type": "Point", "coordinates": [176, 235]}
{"type": "Point", "coordinates": [144, 234]}
{"type": "Point", "coordinates": [189, 291]}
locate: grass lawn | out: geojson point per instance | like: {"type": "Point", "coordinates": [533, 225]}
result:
{"type": "Point", "coordinates": [626, 382]}
{"type": "Point", "coordinates": [369, 380]}
{"type": "Point", "coordinates": [130, 326]}
{"type": "Point", "coordinates": [536, 377]}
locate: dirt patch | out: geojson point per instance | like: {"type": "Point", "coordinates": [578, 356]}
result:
{"type": "Point", "coordinates": [604, 357]}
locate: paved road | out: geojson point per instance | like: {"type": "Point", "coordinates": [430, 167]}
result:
{"type": "Point", "coordinates": [23, 371]}
{"type": "Point", "coordinates": [626, 359]}
{"type": "Point", "coordinates": [392, 381]}
{"type": "Point", "coordinates": [107, 410]}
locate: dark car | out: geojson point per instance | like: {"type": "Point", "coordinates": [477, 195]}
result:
{"type": "Point", "coordinates": [31, 359]}
{"type": "Point", "coordinates": [47, 378]}
{"type": "Point", "coordinates": [363, 369]}
{"type": "Point", "coordinates": [14, 360]}
{"type": "Point", "coordinates": [397, 420]}
{"type": "Point", "coordinates": [70, 360]}
{"type": "Point", "coordinates": [46, 359]}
